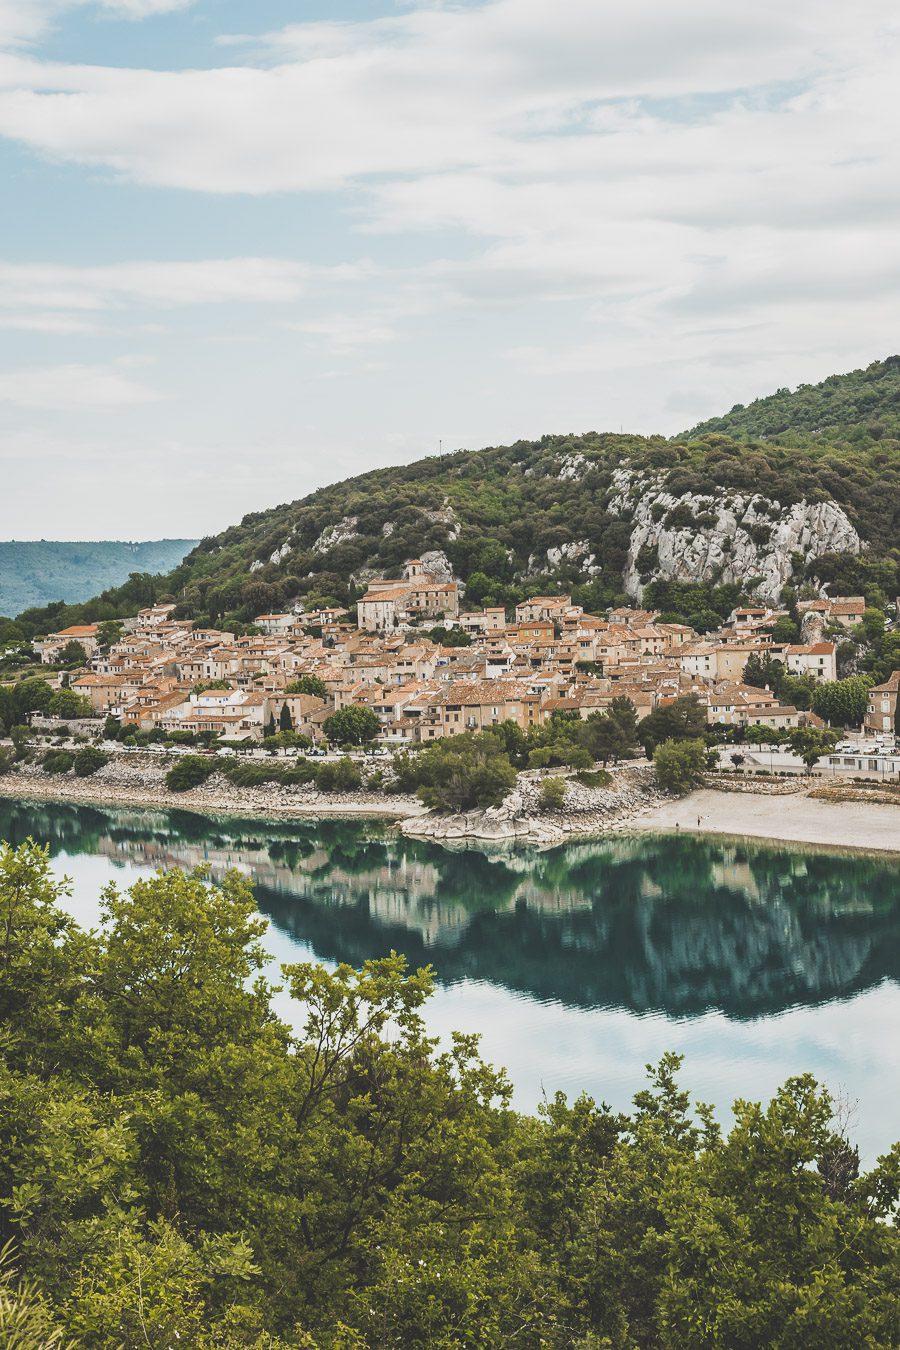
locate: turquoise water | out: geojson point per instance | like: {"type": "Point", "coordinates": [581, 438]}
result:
{"type": "Point", "coordinates": [577, 965]}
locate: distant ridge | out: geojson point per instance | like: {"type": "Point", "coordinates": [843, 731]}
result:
{"type": "Point", "coordinates": [39, 572]}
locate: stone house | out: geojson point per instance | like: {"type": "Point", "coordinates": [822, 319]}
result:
{"type": "Point", "coordinates": [881, 715]}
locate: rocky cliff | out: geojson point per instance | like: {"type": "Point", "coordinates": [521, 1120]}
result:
{"type": "Point", "coordinates": [723, 537]}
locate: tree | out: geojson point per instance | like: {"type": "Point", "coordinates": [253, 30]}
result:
{"type": "Point", "coordinates": [872, 626]}
{"type": "Point", "coordinates": [611, 735]}
{"type": "Point", "coordinates": [764, 671]}
{"type": "Point", "coordinates": [450, 637]}
{"type": "Point", "coordinates": [458, 773]}
{"type": "Point", "coordinates": [307, 684]}
{"type": "Point", "coordinates": [683, 719]}
{"type": "Point", "coordinates": [810, 744]}
{"type": "Point", "coordinates": [797, 691]}
{"type": "Point", "coordinates": [259, 597]}
{"type": "Point", "coordinates": [109, 633]}
{"type": "Point", "coordinates": [842, 703]}
{"type": "Point", "coordinates": [65, 704]}
{"type": "Point", "coordinates": [72, 655]}
{"type": "Point", "coordinates": [680, 765]}
{"type": "Point", "coordinates": [553, 794]}
{"type": "Point", "coordinates": [20, 737]}
{"type": "Point", "coordinates": [354, 725]}
{"type": "Point", "coordinates": [285, 721]}
{"type": "Point", "coordinates": [785, 629]}
{"type": "Point", "coordinates": [759, 734]}
{"type": "Point", "coordinates": [31, 695]}
{"type": "Point", "coordinates": [179, 1167]}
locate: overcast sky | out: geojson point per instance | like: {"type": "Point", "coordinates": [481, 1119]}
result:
{"type": "Point", "coordinates": [248, 247]}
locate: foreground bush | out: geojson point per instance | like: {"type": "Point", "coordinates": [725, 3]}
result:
{"type": "Point", "coordinates": [177, 1167]}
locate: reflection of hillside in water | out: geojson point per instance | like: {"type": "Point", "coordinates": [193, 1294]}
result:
{"type": "Point", "coordinates": [675, 924]}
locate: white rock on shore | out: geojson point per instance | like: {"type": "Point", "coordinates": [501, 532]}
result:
{"type": "Point", "coordinates": [586, 811]}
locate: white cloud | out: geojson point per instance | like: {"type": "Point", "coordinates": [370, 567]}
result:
{"type": "Point", "coordinates": [65, 299]}
{"type": "Point", "coordinates": [58, 388]}
{"type": "Point", "coordinates": [165, 284]}
{"type": "Point", "coordinates": [345, 333]}
{"type": "Point", "coordinates": [668, 154]}
{"type": "Point", "coordinates": [141, 9]}
{"type": "Point", "coordinates": [25, 21]}
{"type": "Point", "coordinates": [434, 90]}
{"type": "Point", "coordinates": [49, 322]}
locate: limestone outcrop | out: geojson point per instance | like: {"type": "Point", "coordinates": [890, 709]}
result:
{"type": "Point", "coordinates": [520, 816]}
{"type": "Point", "coordinates": [723, 537]}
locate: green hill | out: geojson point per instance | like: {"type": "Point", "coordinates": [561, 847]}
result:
{"type": "Point", "coordinates": [800, 487]}
{"type": "Point", "coordinates": [38, 572]}
{"type": "Point", "coordinates": [861, 408]}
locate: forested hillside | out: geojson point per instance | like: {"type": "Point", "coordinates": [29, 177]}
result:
{"type": "Point", "coordinates": [861, 408]}
{"type": "Point", "coordinates": [799, 488]}
{"type": "Point", "coordinates": [37, 572]}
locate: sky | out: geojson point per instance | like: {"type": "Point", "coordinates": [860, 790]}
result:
{"type": "Point", "coordinates": [250, 247]}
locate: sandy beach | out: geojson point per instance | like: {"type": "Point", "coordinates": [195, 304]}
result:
{"type": "Point", "coordinates": [794, 819]}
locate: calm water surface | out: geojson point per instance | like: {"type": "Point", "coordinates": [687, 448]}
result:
{"type": "Point", "coordinates": [578, 965]}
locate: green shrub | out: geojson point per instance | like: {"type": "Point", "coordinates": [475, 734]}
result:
{"type": "Point", "coordinates": [58, 761]}
{"type": "Point", "coordinates": [251, 773]}
{"type": "Point", "coordinates": [596, 779]}
{"type": "Point", "coordinates": [190, 772]}
{"type": "Point", "coordinates": [88, 761]}
{"type": "Point", "coordinates": [344, 776]}
{"type": "Point", "coordinates": [553, 794]}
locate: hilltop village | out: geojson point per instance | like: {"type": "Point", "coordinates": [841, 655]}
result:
{"type": "Point", "coordinates": [427, 668]}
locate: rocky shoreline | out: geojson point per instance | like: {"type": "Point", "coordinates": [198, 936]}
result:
{"type": "Point", "coordinates": [139, 781]}
{"type": "Point", "coordinates": [777, 810]}
{"type": "Point", "coordinates": [587, 812]}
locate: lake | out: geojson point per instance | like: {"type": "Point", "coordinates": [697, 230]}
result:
{"type": "Point", "coordinates": [578, 965]}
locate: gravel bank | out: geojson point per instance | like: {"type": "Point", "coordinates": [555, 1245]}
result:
{"type": "Point", "coordinates": [139, 782]}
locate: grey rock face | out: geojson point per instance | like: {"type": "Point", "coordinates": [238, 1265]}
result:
{"type": "Point", "coordinates": [739, 536]}
{"type": "Point", "coordinates": [333, 535]}
{"type": "Point", "coordinates": [436, 562]}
